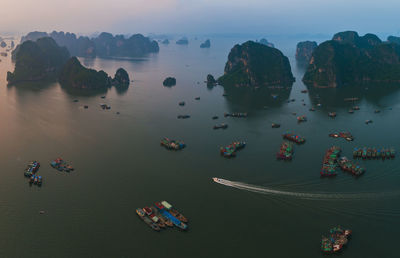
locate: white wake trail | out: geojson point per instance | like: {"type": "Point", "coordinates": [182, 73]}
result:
{"type": "Point", "coordinates": [308, 196]}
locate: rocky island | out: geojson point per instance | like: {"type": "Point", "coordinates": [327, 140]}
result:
{"type": "Point", "coordinates": [266, 42]}
{"type": "Point", "coordinates": [165, 42]}
{"type": "Point", "coordinates": [121, 78]}
{"type": "Point", "coordinates": [36, 61]}
{"type": "Point", "coordinates": [206, 44]}
{"type": "Point", "coordinates": [255, 65]}
{"type": "Point", "coordinates": [105, 45]}
{"type": "Point", "coordinates": [394, 39]}
{"type": "Point", "coordinates": [136, 45]}
{"type": "Point", "coordinates": [304, 51]}
{"type": "Point", "coordinates": [169, 81]}
{"type": "Point", "coordinates": [349, 59]}
{"type": "Point", "coordinates": [211, 81]}
{"type": "Point", "coordinates": [3, 44]}
{"type": "Point", "coordinates": [182, 41]}
{"type": "Point", "coordinates": [75, 75]}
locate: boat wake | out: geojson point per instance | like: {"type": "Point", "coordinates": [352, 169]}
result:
{"type": "Point", "coordinates": [301, 195]}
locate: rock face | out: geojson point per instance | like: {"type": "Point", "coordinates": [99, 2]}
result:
{"type": "Point", "coordinates": [206, 44]}
{"type": "Point", "coordinates": [121, 78]}
{"type": "Point", "coordinates": [255, 65]}
{"type": "Point", "coordinates": [165, 42]}
{"type": "Point", "coordinates": [74, 75]}
{"type": "Point", "coordinates": [105, 45]}
{"type": "Point", "coordinates": [211, 81]}
{"type": "Point", "coordinates": [108, 45]}
{"type": "Point", "coordinates": [40, 60]}
{"type": "Point", "coordinates": [393, 39]}
{"type": "Point", "coordinates": [169, 81]}
{"type": "Point", "coordinates": [183, 41]}
{"type": "Point", "coordinates": [349, 59]}
{"type": "Point", "coordinates": [304, 51]}
{"type": "Point", "coordinates": [266, 42]}
{"type": "Point", "coordinates": [3, 44]}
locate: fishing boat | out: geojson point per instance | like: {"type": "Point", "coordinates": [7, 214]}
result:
{"type": "Point", "coordinates": [39, 180]}
{"type": "Point", "coordinates": [304, 91]}
{"type": "Point", "coordinates": [169, 216]}
{"type": "Point", "coordinates": [332, 114]}
{"type": "Point", "coordinates": [312, 109]}
{"type": "Point", "coordinates": [356, 108]}
{"type": "Point", "coordinates": [275, 125]}
{"type": "Point", "coordinates": [61, 165]}
{"type": "Point", "coordinates": [182, 103]}
{"type": "Point", "coordinates": [141, 213]}
{"type": "Point", "coordinates": [197, 98]}
{"type": "Point", "coordinates": [294, 138]}
{"type": "Point", "coordinates": [301, 119]}
{"type": "Point", "coordinates": [32, 179]}
{"type": "Point", "coordinates": [215, 117]}
{"type": "Point", "coordinates": [220, 126]}
{"type": "Point", "coordinates": [183, 116]}
{"type": "Point", "coordinates": [392, 152]}
{"type": "Point", "coordinates": [32, 168]}
{"type": "Point", "coordinates": [173, 211]}
{"type": "Point", "coordinates": [172, 144]}
{"type": "Point", "coordinates": [368, 121]}
{"type": "Point", "coordinates": [351, 111]}
{"type": "Point", "coordinates": [230, 150]}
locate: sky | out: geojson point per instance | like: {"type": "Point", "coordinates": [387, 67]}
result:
{"type": "Point", "coordinates": [201, 16]}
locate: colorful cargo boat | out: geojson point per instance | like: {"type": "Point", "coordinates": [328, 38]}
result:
{"type": "Point", "coordinates": [32, 168]}
{"type": "Point", "coordinates": [230, 150]}
{"type": "Point", "coordinates": [373, 153]}
{"type": "Point", "coordinates": [285, 151]}
{"type": "Point", "coordinates": [235, 115]}
{"type": "Point", "coordinates": [141, 213]}
{"type": "Point", "coordinates": [294, 138]}
{"type": "Point", "coordinates": [301, 119]}
{"type": "Point", "coordinates": [337, 239]}
{"type": "Point", "coordinates": [61, 165]}
{"type": "Point", "coordinates": [172, 144]}
{"type": "Point", "coordinates": [169, 216]}
{"type": "Point", "coordinates": [346, 165]}
{"type": "Point", "coordinates": [220, 126]}
{"type": "Point", "coordinates": [329, 163]}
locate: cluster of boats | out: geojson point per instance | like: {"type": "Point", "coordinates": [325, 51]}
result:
{"type": "Point", "coordinates": [172, 144]}
{"type": "Point", "coordinates": [220, 126]}
{"type": "Point", "coordinates": [338, 238]}
{"type": "Point", "coordinates": [230, 150]}
{"type": "Point", "coordinates": [329, 163]}
{"type": "Point", "coordinates": [162, 215]}
{"type": "Point", "coordinates": [30, 172]}
{"type": "Point", "coordinates": [294, 138]}
{"type": "Point", "coordinates": [347, 165]}
{"type": "Point", "coordinates": [344, 135]}
{"type": "Point", "coordinates": [105, 106]}
{"type": "Point", "coordinates": [373, 153]}
{"type": "Point", "coordinates": [61, 165]}
{"type": "Point", "coordinates": [235, 114]}
{"type": "Point", "coordinates": [301, 119]}
{"type": "Point", "coordinates": [285, 151]}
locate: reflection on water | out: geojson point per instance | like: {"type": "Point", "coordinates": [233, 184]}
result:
{"type": "Point", "coordinates": [249, 98]}
{"type": "Point", "coordinates": [340, 97]}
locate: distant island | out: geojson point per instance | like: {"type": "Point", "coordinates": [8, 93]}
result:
{"type": "Point", "coordinates": [255, 65]}
{"type": "Point", "coordinates": [266, 42]}
{"type": "Point", "coordinates": [205, 44]}
{"type": "Point", "coordinates": [304, 51]}
{"type": "Point", "coordinates": [3, 44]}
{"type": "Point", "coordinates": [44, 60]}
{"type": "Point", "coordinates": [39, 60]}
{"type": "Point", "coordinates": [105, 45]}
{"type": "Point", "coordinates": [349, 59]}
{"type": "Point", "coordinates": [182, 41]}
{"type": "Point", "coordinates": [165, 42]}
{"type": "Point", "coordinates": [394, 39]}
{"type": "Point", "coordinates": [169, 81]}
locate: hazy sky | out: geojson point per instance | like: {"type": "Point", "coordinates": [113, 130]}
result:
{"type": "Point", "coordinates": [201, 16]}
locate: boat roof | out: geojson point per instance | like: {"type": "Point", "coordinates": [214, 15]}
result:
{"type": "Point", "coordinates": [166, 205]}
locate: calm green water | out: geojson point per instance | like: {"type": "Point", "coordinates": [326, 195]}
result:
{"type": "Point", "coordinates": [120, 165]}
